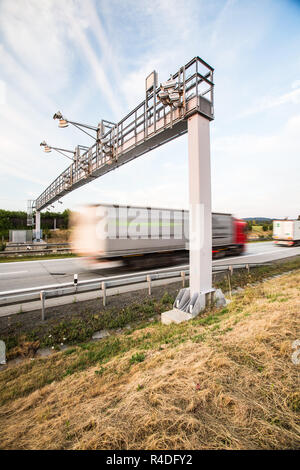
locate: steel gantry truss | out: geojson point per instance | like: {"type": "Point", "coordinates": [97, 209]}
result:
{"type": "Point", "coordinates": [161, 117]}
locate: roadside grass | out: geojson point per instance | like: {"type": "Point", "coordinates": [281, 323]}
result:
{"type": "Point", "coordinates": [268, 238]}
{"type": "Point", "coordinates": [10, 259]}
{"type": "Point", "coordinates": [78, 330]}
{"type": "Point", "coordinates": [22, 342]}
{"type": "Point", "coordinates": [256, 274]}
{"type": "Point", "coordinates": [224, 380]}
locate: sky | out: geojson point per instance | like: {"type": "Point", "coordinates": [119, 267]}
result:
{"type": "Point", "coordinates": [89, 59]}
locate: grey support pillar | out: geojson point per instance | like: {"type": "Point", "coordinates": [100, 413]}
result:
{"type": "Point", "coordinates": [192, 300]}
{"type": "Point", "coordinates": [37, 226]}
{"type": "Point", "coordinates": [200, 219]}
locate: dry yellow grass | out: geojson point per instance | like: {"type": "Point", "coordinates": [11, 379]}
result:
{"type": "Point", "coordinates": [59, 236]}
{"type": "Point", "coordinates": [237, 389]}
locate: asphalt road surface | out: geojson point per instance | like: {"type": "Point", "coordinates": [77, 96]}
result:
{"type": "Point", "coordinates": [19, 275]}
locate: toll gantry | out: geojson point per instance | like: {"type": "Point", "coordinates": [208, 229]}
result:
{"type": "Point", "coordinates": [161, 117]}
{"type": "Point", "coordinates": [184, 103]}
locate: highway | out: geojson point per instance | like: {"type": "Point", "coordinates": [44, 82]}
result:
{"type": "Point", "coordinates": [18, 275]}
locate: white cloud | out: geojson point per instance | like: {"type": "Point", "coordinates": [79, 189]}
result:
{"type": "Point", "coordinates": [79, 26]}
{"type": "Point", "coordinates": [258, 175]}
{"type": "Point", "coordinates": [160, 195]}
{"type": "Point", "coordinates": [19, 79]}
{"type": "Point", "coordinates": [133, 83]}
{"type": "Point", "coordinates": [21, 172]}
{"type": "Point", "coordinates": [268, 102]}
{"type": "Point", "coordinates": [296, 84]}
{"type": "Point", "coordinates": [220, 23]}
{"type": "Point", "coordinates": [34, 35]}
{"type": "Point", "coordinates": [92, 57]}
{"type": "Point", "coordinates": [2, 92]}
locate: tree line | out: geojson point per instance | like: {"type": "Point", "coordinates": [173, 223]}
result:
{"type": "Point", "coordinates": [265, 225]}
{"type": "Point", "coordinates": [17, 220]}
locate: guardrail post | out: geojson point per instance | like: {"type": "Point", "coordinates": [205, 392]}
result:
{"type": "Point", "coordinates": [229, 285]}
{"type": "Point", "coordinates": [149, 284]}
{"type": "Point", "coordinates": [103, 286]}
{"type": "Point", "coordinates": [43, 296]}
{"type": "Point", "coordinates": [183, 278]}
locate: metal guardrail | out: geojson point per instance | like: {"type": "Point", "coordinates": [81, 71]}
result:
{"type": "Point", "coordinates": [6, 254]}
{"type": "Point", "coordinates": [103, 284]}
{"type": "Point", "coordinates": [20, 245]}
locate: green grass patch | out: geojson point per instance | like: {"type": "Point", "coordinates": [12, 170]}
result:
{"type": "Point", "coordinates": [242, 278]}
{"type": "Point", "coordinates": [79, 330]}
{"type": "Point", "coordinates": [136, 358]}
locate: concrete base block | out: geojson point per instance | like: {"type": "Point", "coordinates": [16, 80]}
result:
{"type": "Point", "coordinates": [219, 299]}
{"type": "Point", "coordinates": [186, 308]}
{"type": "Point", "coordinates": [175, 316]}
{"type": "Point", "coordinates": [100, 334]}
{"type": "Point", "coordinates": [196, 303]}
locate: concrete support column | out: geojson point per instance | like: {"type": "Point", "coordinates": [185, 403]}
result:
{"type": "Point", "coordinates": [200, 218]}
{"type": "Point", "coordinates": [37, 226]}
{"type": "Point", "coordinates": [191, 301]}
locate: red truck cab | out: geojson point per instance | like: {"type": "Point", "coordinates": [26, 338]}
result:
{"type": "Point", "coordinates": [240, 233]}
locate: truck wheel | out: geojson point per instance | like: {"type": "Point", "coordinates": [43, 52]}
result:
{"type": "Point", "coordinates": [239, 250]}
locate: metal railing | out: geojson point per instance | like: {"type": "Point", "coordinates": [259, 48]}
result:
{"type": "Point", "coordinates": [105, 283]}
{"type": "Point", "coordinates": [8, 253]}
{"type": "Point", "coordinates": [33, 249]}
{"type": "Point", "coordinates": [46, 245]}
{"type": "Point", "coordinates": [140, 131]}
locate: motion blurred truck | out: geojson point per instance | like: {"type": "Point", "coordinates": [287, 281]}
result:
{"type": "Point", "coordinates": [144, 236]}
{"type": "Point", "coordinates": [286, 232]}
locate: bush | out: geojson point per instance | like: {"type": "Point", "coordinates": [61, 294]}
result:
{"type": "Point", "coordinates": [47, 233]}
{"type": "Point", "coordinates": [167, 299]}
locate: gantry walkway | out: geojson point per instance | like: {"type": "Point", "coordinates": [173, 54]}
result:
{"type": "Point", "coordinates": [161, 117]}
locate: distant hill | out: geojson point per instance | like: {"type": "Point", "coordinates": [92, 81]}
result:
{"type": "Point", "coordinates": [258, 219]}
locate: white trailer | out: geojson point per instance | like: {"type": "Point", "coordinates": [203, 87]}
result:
{"type": "Point", "coordinates": [137, 235]}
{"type": "Point", "coordinates": [286, 232]}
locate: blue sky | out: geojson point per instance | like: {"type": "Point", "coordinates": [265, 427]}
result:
{"type": "Point", "coordinates": [90, 58]}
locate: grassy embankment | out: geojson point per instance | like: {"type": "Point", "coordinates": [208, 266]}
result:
{"type": "Point", "coordinates": [23, 340]}
{"type": "Point", "coordinates": [224, 380]}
